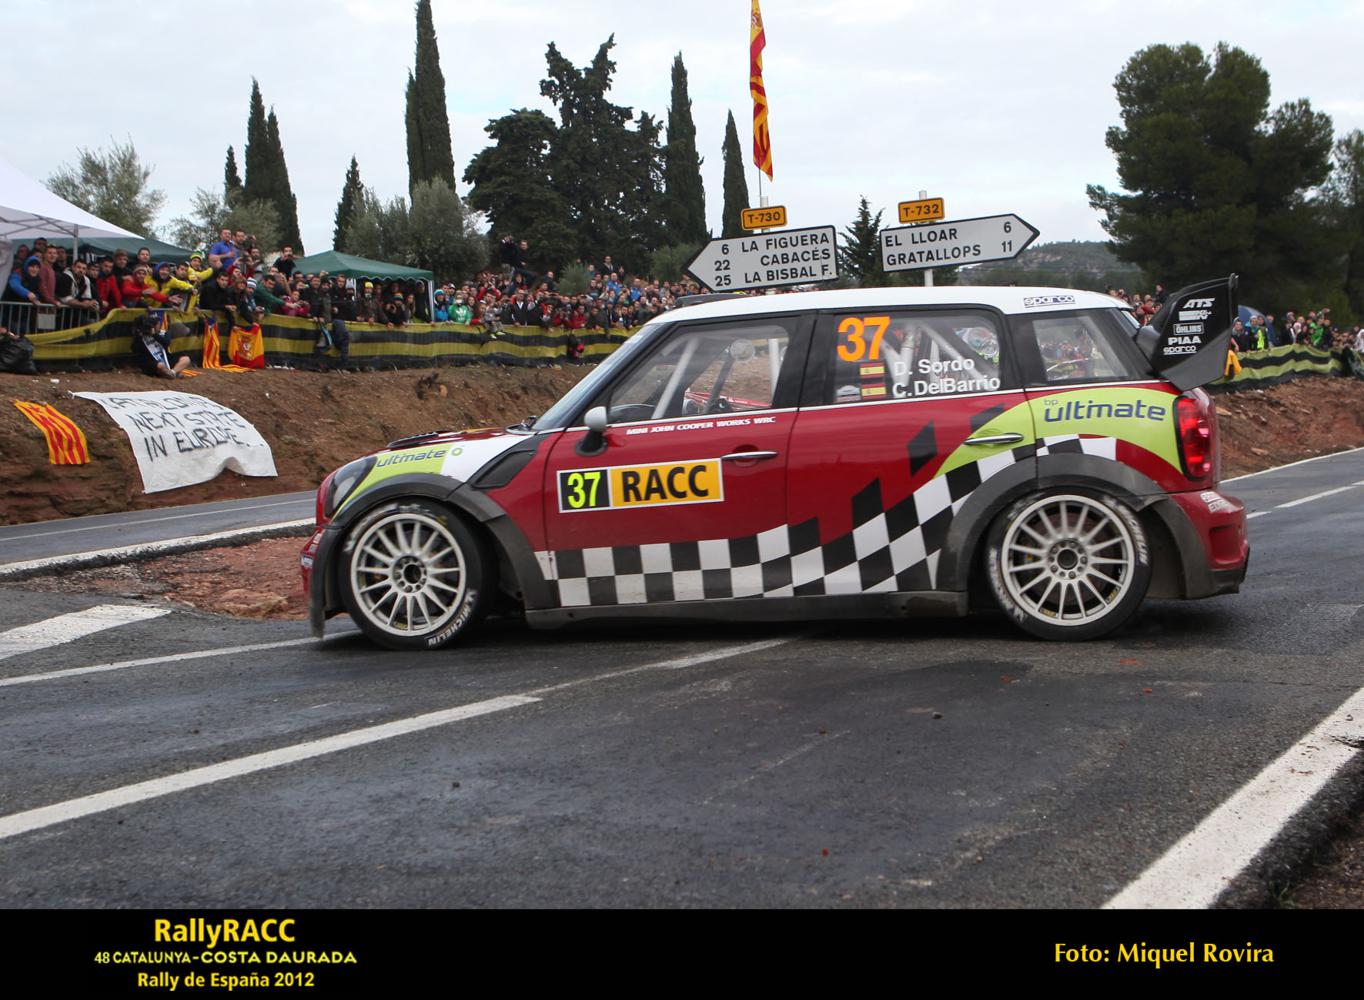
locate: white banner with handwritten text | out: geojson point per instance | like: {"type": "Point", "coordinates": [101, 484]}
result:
{"type": "Point", "coordinates": [181, 439]}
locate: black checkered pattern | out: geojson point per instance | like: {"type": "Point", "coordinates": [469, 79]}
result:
{"type": "Point", "coordinates": [888, 550]}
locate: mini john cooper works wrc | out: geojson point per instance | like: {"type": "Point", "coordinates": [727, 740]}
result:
{"type": "Point", "coordinates": [869, 453]}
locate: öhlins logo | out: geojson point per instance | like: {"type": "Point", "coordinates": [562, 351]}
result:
{"type": "Point", "coordinates": [622, 486]}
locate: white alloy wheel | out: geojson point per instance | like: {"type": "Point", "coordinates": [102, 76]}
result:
{"type": "Point", "coordinates": [412, 575]}
{"type": "Point", "coordinates": [1069, 565]}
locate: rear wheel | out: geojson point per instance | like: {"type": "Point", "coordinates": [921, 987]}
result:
{"type": "Point", "coordinates": [1071, 565]}
{"type": "Point", "coordinates": [412, 575]}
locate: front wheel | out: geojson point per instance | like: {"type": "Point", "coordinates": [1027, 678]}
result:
{"type": "Point", "coordinates": [412, 575]}
{"type": "Point", "coordinates": [1073, 565]}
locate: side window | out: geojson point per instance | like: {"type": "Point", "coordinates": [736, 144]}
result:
{"type": "Point", "coordinates": [1076, 347]}
{"type": "Point", "coordinates": [726, 368]}
{"type": "Point", "coordinates": [874, 355]}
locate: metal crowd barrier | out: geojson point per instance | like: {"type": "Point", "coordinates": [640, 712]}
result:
{"type": "Point", "coordinates": [25, 317]}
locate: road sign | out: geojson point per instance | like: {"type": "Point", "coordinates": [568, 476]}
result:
{"type": "Point", "coordinates": [924, 210]}
{"type": "Point", "coordinates": [767, 260]}
{"type": "Point", "coordinates": [965, 241]}
{"type": "Point", "coordinates": [763, 218]}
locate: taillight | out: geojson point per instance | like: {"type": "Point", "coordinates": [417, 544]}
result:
{"type": "Point", "coordinates": [1197, 444]}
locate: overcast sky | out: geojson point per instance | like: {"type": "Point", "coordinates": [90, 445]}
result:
{"type": "Point", "coordinates": [994, 106]}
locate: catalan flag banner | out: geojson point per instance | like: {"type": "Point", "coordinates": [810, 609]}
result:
{"type": "Point", "coordinates": [212, 346]}
{"type": "Point", "coordinates": [65, 442]}
{"type": "Point", "coordinates": [762, 142]}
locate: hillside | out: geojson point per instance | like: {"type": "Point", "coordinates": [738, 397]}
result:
{"type": "Point", "coordinates": [1076, 264]}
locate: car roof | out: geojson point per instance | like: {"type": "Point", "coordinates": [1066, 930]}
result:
{"type": "Point", "coordinates": [1007, 299]}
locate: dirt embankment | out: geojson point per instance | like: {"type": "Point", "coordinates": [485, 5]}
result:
{"type": "Point", "coordinates": [313, 422]}
{"type": "Point", "coordinates": [1262, 428]}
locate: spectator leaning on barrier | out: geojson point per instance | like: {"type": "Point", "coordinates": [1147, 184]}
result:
{"type": "Point", "coordinates": [80, 292]}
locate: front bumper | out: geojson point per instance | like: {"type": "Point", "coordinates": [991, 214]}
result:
{"type": "Point", "coordinates": [313, 561]}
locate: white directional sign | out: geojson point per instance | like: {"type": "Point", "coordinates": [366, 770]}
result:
{"type": "Point", "coordinates": [966, 241]}
{"type": "Point", "coordinates": [766, 260]}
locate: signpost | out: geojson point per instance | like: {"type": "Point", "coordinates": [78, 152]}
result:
{"type": "Point", "coordinates": [965, 241]}
{"type": "Point", "coordinates": [767, 217]}
{"type": "Point", "coordinates": [767, 260]}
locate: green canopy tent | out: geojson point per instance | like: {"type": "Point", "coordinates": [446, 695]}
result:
{"type": "Point", "coordinates": [101, 246]}
{"type": "Point", "coordinates": [335, 262]}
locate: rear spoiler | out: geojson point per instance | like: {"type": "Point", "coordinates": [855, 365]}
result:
{"type": "Point", "coordinates": [1187, 341]}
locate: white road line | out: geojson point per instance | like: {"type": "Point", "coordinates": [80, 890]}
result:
{"type": "Point", "coordinates": [75, 559]}
{"type": "Point", "coordinates": [197, 654]}
{"type": "Point", "coordinates": [1258, 513]}
{"type": "Point", "coordinates": [114, 798]}
{"type": "Point", "coordinates": [146, 520]}
{"type": "Point", "coordinates": [1315, 496]}
{"type": "Point", "coordinates": [680, 663]}
{"type": "Point", "coordinates": [1290, 465]}
{"type": "Point", "coordinates": [1195, 871]}
{"type": "Point", "coordinates": [76, 625]}
{"type": "Point", "coordinates": [61, 812]}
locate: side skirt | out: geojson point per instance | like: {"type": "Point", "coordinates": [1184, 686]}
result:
{"type": "Point", "coordinates": [923, 604]}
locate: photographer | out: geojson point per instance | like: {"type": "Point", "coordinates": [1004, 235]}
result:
{"type": "Point", "coordinates": [151, 347]}
{"type": "Point", "coordinates": [16, 352]}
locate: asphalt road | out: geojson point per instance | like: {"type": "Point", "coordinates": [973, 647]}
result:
{"type": "Point", "coordinates": [44, 539]}
{"type": "Point", "coordinates": [927, 764]}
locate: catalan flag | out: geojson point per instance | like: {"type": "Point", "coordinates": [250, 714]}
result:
{"type": "Point", "coordinates": [212, 345]}
{"type": "Point", "coordinates": [762, 142]}
{"type": "Point", "coordinates": [65, 441]}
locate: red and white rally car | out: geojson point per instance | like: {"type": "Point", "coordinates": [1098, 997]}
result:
{"type": "Point", "coordinates": [845, 454]}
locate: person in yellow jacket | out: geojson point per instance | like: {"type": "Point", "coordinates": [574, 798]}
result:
{"type": "Point", "coordinates": [196, 274]}
{"type": "Point", "coordinates": [174, 289]}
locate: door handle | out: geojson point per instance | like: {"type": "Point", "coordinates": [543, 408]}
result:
{"type": "Point", "coordinates": [996, 439]}
{"type": "Point", "coordinates": [747, 456]}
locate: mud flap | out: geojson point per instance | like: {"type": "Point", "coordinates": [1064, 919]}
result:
{"type": "Point", "coordinates": [1188, 340]}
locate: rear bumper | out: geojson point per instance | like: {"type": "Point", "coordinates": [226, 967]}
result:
{"type": "Point", "coordinates": [1215, 548]}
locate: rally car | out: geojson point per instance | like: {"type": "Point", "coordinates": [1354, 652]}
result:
{"type": "Point", "coordinates": [843, 454]}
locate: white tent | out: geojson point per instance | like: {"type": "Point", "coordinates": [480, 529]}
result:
{"type": "Point", "coordinates": [29, 210]}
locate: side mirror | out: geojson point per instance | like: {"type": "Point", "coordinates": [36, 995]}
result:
{"type": "Point", "coordinates": [594, 441]}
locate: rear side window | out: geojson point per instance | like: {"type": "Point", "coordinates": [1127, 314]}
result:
{"type": "Point", "coordinates": [1064, 348]}
{"type": "Point", "coordinates": [876, 355]}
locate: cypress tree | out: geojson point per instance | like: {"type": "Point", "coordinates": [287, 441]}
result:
{"type": "Point", "coordinates": [283, 199]}
{"type": "Point", "coordinates": [259, 184]}
{"type": "Point", "coordinates": [859, 257]}
{"type": "Point", "coordinates": [684, 203]}
{"type": "Point", "coordinates": [352, 194]}
{"type": "Point", "coordinates": [232, 180]}
{"type": "Point", "coordinates": [428, 122]}
{"type": "Point", "coordinates": [736, 186]}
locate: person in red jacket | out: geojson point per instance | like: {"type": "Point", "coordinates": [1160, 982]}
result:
{"type": "Point", "coordinates": [140, 292]}
{"type": "Point", "coordinates": [108, 288]}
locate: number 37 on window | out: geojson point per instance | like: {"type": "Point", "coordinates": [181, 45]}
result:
{"type": "Point", "coordinates": [853, 332]}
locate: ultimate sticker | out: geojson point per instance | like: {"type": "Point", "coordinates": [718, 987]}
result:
{"type": "Point", "coordinates": [625, 486]}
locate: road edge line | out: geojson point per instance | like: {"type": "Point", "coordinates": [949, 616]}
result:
{"type": "Point", "coordinates": [1301, 461]}
{"type": "Point", "coordinates": [152, 550]}
{"type": "Point", "coordinates": [1203, 864]}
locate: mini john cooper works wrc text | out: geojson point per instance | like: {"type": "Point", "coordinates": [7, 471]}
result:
{"type": "Point", "coordinates": [846, 454]}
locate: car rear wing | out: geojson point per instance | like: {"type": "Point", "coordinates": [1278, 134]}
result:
{"type": "Point", "coordinates": [1187, 341]}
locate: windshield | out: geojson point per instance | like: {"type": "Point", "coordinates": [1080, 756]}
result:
{"type": "Point", "coordinates": [558, 415]}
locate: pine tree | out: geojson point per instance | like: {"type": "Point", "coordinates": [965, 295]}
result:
{"type": "Point", "coordinates": [859, 254]}
{"type": "Point", "coordinates": [428, 121]}
{"type": "Point", "coordinates": [736, 185]}
{"type": "Point", "coordinates": [232, 180]}
{"type": "Point", "coordinates": [352, 195]}
{"type": "Point", "coordinates": [684, 204]}
{"type": "Point", "coordinates": [609, 175]}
